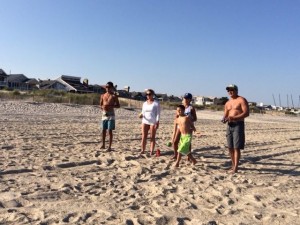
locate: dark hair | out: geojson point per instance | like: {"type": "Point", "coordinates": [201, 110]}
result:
{"type": "Point", "coordinates": [181, 107]}
{"type": "Point", "coordinates": [151, 91]}
{"type": "Point", "coordinates": [109, 83]}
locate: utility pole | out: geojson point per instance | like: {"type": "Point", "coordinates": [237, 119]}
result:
{"type": "Point", "coordinates": [287, 100]}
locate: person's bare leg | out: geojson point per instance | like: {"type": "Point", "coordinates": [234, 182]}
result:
{"type": "Point", "coordinates": [175, 144]}
{"type": "Point", "coordinates": [145, 129]}
{"type": "Point", "coordinates": [110, 139]}
{"type": "Point", "coordinates": [231, 154]}
{"type": "Point", "coordinates": [178, 160]}
{"type": "Point", "coordinates": [103, 139]}
{"type": "Point", "coordinates": [191, 158]}
{"type": "Point", "coordinates": [236, 159]}
{"type": "Point", "coordinates": [152, 140]}
{"type": "Point", "coordinates": [190, 151]}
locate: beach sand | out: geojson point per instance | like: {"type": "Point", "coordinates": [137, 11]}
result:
{"type": "Point", "coordinates": [52, 170]}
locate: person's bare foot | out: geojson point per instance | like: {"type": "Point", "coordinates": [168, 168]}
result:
{"type": "Point", "coordinates": [174, 157]}
{"type": "Point", "coordinates": [109, 149]}
{"type": "Point", "coordinates": [232, 171]}
{"type": "Point", "coordinates": [102, 147]}
{"type": "Point", "coordinates": [194, 161]}
{"type": "Point", "coordinates": [141, 153]}
{"type": "Point", "coordinates": [176, 165]}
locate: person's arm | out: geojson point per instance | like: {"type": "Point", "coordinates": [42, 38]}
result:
{"type": "Point", "coordinates": [174, 130]}
{"type": "Point", "coordinates": [157, 115]}
{"type": "Point", "coordinates": [101, 101]}
{"type": "Point", "coordinates": [191, 124]}
{"type": "Point", "coordinates": [226, 113]}
{"type": "Point", "coordinates": [158, 112]}
{"type": "Point", "coordinates": [245, 110]}
{"type": "Point", "coordinates": [117, 103]}
{"type": "Point", "coordinates": [194, 114]}
{"type": "Point", "coordinates": [141, 114]}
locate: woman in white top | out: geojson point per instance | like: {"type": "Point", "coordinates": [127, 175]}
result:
{"type": "Point", "coordinates": [150, 120]}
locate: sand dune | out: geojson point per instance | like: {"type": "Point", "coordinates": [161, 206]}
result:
{"type": "Point", "coordinates": [52, 170]}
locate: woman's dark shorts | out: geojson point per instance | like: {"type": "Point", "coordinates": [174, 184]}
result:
{"type": "Point", "coordinates": [235, 135]}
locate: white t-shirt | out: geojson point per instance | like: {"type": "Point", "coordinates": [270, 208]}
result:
{"type": "Point", "coordinates": [188, 112]}
{"type": "Point", "coordinates": [151, 113]}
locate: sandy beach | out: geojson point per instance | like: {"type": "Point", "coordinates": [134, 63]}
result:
{"type": "Point", "coordinates": [52, 170]}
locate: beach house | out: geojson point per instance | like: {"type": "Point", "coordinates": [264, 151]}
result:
{"type": "Point", "coordinates": [21, 82]}
{"type": "Point", "coordinates": [3, 78]}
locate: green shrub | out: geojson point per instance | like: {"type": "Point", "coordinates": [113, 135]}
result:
{"type": "Point", "coordinates": [16, 93]}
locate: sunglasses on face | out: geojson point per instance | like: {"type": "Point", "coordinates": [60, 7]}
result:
{"type": "Point", "coordinates": [148, 94]}
{"type": "Point", "coordinates": [230, 90]}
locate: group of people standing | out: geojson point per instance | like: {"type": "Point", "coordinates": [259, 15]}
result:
{"type": "Point", "coordinates": [235, 111]}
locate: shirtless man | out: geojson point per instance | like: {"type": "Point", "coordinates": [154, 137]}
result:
{"type": "Point", "coordinates": [186, 127]}
{"type": "Point", "coordinates": [108, 102]}
{"type": "Point", "coordinates": [235, 111]}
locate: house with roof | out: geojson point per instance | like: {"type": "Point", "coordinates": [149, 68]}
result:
{"type": "Point", "coordinates": [162, 97]}
{"type": "Point", "coordinates": [21, 82]}
{"type": "Point", "coordinates": [202, 100]}
{"type": "Point", "coordinates": [3, 78]}
{"type": "Point", "coordinates": [51, 84]}
{"type": "Point", "coordinates": [138, 95]}
{"type": "Point", "coordinates": [123, 93]}
{"type": "Point", "coordinates": [95, 88]}
{"type": "Point", "coordinates": [173, 98]}
{"type": "Point", "coordinates": [73, 84]}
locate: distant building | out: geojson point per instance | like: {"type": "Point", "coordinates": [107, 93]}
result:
{"type": "Point", "coordinates": [21, 82]}
{"type": "Point", "coordinates": [3, 78]}
{"type": "Point", "coordinates": [202, 100]}
{"type": "Point", "coordinates": [123, 94]}
{"type": "Point", "coordinates": [138, 95]}
{"type": "Point", "coordinates": [73, 84]}
{"type": "Point", "coordinates": [252, 103]}
{"type": "Point", "coordinates": [162, 97]}
{"type": "Point", "coordinates": [52, 85]}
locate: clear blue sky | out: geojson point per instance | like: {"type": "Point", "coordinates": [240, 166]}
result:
{"type": "Point", "coordinates": [172, 46]}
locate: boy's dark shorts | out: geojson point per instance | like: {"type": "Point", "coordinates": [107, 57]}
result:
{"type": "Point", "coordinates": [235, 135]}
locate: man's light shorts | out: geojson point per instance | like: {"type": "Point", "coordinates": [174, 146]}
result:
{"type": "Point", "coordinates": [235, 135]}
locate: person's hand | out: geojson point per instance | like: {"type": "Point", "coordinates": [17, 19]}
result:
{"type": "Point", "coordinates": [224, 119]}
{"type": "Point", "coordinates": [141, 115]}
{"type": "Point", "coordinates": [157, 124]}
